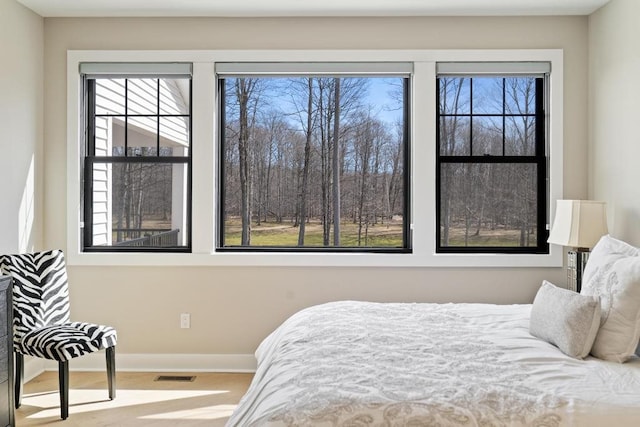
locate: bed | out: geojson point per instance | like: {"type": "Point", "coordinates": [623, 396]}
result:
{"type": "Point", "coordinates": [365, 364]}
{"type": "Point", "coordinates": [351, 363]}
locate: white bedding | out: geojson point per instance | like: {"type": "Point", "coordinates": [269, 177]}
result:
{"type": "Point", "coordinates": [369, 364]}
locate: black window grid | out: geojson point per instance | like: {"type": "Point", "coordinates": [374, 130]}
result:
{"type": "Point", "coordinates": [539, 159]}
{"type": "Point", "coordinates": [91, 159]}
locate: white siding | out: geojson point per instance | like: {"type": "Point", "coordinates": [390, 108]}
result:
{"type": "Point", "coordinates": [102, 184]}
{"type": "Point", "coordinates": [109, 133]}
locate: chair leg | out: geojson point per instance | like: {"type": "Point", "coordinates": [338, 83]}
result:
{"type": "Point", "coordinates": [19, 378]}
{"type": "Point", "coordinates": [63, 377]}
{"type": "Point", "coordinates": [111, 371]}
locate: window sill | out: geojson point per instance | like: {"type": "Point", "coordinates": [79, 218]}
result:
{"type": "Point", "coordinates": [554, 259]}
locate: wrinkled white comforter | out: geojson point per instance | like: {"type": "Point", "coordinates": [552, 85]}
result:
{"type": "Point", "coordinates": [369, 364]}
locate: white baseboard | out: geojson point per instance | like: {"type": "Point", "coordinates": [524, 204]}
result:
{"type": "Point", "coordinates": [160, 363]}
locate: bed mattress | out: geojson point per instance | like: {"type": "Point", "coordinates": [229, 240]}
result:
{"type": "Point", "coordinates": [372, 364]}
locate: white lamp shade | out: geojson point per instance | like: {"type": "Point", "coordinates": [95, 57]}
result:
{"type": "Point", "coordinates": [578, 223]}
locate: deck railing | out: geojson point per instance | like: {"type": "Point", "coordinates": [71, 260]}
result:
{"type": "Point", "coordinates": [148, 237]}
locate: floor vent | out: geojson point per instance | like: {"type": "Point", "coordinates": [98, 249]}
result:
{"type": "Point", "coordinates": [182, 378]}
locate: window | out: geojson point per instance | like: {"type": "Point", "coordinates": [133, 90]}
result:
{"type": "Point", "coordinates": [137, 157]}
{"type": "Point", "coordinates": [133, 121]}
{"type": "Point", "coordinates": [491, 158]}
{"type": "Point", "coordinates": [313, 160]}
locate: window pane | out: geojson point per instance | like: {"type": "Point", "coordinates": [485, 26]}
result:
{"type": "Point", "coordinates": [174, 136]}
{"type": "Point", "coordinates": [150, 121]}
{"type": "Point", "coordinates": [520, 95]}
{"type": "Point", "coordinates": [174, 96]}
{"type": "Point", "coordinates": [455, 95]}
{"type": "Point", "coordinates": [139, 204]}
{"type": "Point", "coordinates": [142, 96]}
{"type": "Point", "coordinates": [487, 95]}
{"type": "Point", "coordinates": [520, 136]}
{"type": "Point", "coordinates": [110, 95]}
{"type": "Point", "coordinates": [488, 205]}
{"type": "Point", "coordinates": [487, 136]}
{"type": "Point", "coordinates": [455, 134]}
{"type": "Point", "coordinates": [503, 111]}
{"type": "Point", "coordinates": [142, 136]}
{"type": "Point", "coordinates": [280, 187]}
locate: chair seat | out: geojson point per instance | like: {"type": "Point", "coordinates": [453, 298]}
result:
{"type": "Point", "coordinates": [66, 341]}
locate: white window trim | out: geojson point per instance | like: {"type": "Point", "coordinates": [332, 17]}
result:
{"type": "Point", "coordinates": [422, 140]}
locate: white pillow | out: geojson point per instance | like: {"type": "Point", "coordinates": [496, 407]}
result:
{"type": "Point", "coordinates": [613, 274]}
{"type": "Point", "coordinates": [565, 319]}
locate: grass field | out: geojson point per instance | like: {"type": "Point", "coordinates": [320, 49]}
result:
{"type": "Point", "coordinates": [380, 235]}
{"type": "Point", "coordinates": [388, 235]}
{"type": "Point", "coordinates": [286, 235]}
{"type": "Point", "coordinates": [489, 238]}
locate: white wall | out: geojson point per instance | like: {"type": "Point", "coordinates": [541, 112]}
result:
{"type": "Point", "coordinates": [234, 308]}
{"type": "Point", "coordinates": [21, 160]}
{"type": "Point", "coordinates": [614, 114]}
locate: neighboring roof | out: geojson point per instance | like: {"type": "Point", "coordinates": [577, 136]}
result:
{"type": "Point", "coordinates": [250, 8]}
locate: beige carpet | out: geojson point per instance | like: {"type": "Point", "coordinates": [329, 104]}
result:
{"type": "Point", "coordinates": [140, 401]}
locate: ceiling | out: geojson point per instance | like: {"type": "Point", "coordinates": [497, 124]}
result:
{"type": "Point", "coordinates": [250, 8]}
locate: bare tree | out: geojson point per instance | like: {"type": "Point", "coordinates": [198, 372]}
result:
{"type": "Point", "coordinates": [450, 89]}
{"type": "Point", "coordinates": [303, 193]}
{"type": "Point", "coordinates": [336, 166]}
{"type": "Point", "coordinates": [299, 162]}
{"type": "Point", "coordinates": [329, 106]}
{"type": "Point", "coordinates": [395, 180]}
{"type": "Point", "coordinates": [245, 88]}
{"type": "Point", "coordinates": [520, 95]}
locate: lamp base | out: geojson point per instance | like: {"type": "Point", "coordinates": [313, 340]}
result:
{"type": "Point", "coordinates": [576, 261]}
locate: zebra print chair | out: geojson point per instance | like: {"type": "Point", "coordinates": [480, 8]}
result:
{"type": "Point", "coordinates": [42, 326]}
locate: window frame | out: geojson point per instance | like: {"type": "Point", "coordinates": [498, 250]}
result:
{"type": "Point", "coordinates": [539, 159]}
{"type": "Point", "coordinates": [204, 168]}
{"type": "Point", "coordinates": [302, 70]}
{"type": "Point", "coordinates": [90, 158]}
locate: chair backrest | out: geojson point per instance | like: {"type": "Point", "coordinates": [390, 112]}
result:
{"type": "Point", "coordinates": [40, 290]}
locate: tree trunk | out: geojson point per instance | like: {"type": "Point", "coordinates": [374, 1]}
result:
{"type": "Point", "coordinates": [336, 166]}
{"type": "Point", "coordinates": [244, 88]}
{"type": "Point", "coordinates": [364, 177]}
{"type": "Point", "coordinates": [305, 168]}
{"type": "Point", "coordinates": [124, 196]}
{"type": "Point", "coordinates": [325, 127]}
{"type": "Point", "coordinates": [447, 137]}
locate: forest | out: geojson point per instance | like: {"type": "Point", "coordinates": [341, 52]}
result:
{"type": "Point", "coordinates": [314, 162]}
{"type": "Point", "coordinates": [492, 160]}
{"type": "Point", "coordinates": [321, 162]}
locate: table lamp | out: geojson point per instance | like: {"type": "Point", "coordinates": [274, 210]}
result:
{"type": "Point", "coordinates": [578, 224]}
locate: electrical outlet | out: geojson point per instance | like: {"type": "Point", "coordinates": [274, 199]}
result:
{"type": "Point", "coordinates": [185, 320]}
